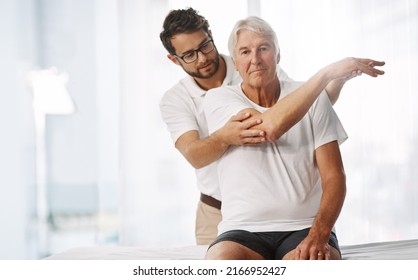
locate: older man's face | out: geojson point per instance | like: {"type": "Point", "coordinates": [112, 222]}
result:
{"type": "Point", "coordinates": [256, 59]}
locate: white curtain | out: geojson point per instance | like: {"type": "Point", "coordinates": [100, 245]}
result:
{"type": "Point", "coordinates": [158, 193]}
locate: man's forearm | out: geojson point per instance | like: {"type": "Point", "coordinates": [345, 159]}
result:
{"type": "Point", "coordinates": [289, 110]}
{"type": "Point", "coordinates": [329, 162]}
{"type": "Point", "coordinates": [203, 152]}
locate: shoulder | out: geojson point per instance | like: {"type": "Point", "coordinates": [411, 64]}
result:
{"type": "Point", "coordinates": [184, 90]}
{"type": "Point", "coordinates": [288, 86]}
{"type": "Point", "coordinates": [222, 92]}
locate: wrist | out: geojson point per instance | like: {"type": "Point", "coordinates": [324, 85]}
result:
{"type": "Point", "coordinates": [219, 139]}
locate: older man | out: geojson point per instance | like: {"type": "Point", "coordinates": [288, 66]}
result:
{"type": "Point", "coordinates": [280, 199]}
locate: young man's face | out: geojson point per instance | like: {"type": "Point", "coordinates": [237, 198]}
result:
{"type": "Point", "coordinates": [206, 62]}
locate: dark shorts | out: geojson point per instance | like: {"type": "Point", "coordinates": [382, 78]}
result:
{"type": "Point", "coordinates": [271, 245]}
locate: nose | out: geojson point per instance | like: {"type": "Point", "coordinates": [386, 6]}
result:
{"type": "Point", "coordinates": [255, 57]}
{"type": "Point", "coordinates": [201, 57]}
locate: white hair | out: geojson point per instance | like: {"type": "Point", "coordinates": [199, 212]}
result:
{"type": "Point", "coordinates": [254, 24]}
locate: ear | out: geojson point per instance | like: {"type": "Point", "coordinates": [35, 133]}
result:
{"type": "Point", "coordinates": [278, 58]}
{"type": "Point", "coordinates": [173, 59]}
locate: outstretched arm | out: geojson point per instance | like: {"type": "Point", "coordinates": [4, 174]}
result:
{"type": "Point", "coordinates": [289, 110]}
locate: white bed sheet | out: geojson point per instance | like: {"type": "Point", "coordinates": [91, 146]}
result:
{"type": "Point", "coordinates": [392, 250]}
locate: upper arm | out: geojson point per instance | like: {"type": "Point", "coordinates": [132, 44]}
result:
{"type": "Point", "coordinates": [178, 113]}
{"type": "Point", "coordinates": [220, 104]}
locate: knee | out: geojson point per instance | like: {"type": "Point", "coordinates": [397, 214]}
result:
{"type": "Point", "coordinates": [216, 252]}
{"type": "Point", "coordinates": [229, 250]}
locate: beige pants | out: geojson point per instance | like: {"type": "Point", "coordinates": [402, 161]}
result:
{"type": "Point", "coordinates": [207, 220]}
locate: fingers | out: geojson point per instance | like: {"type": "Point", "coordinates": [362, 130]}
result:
{"type": "Point", "coordinates": [247, 124]}
{"type": "Point", "coordinates": [253, 136]}
{"type": "Point", "coordinates": [253, 141]}
{"type": "Point", "coordinates": [320, 256]}
{"type": "Point", "coordinates": [328, 256]}
{"type": "Point", "coordinates": [252, 133]}
{"type": "Point", "coordinates": [298, 253]}
{"type": "Point", "coordinates": [313, 254]}
{"type": "Point", "coordinates": [367, 66]}
{"type": "Point", "coordinates": [243, 118]}
{"type": "Point", "coordinates": [371, 62]}
{"type": "Point", "coordinates": [323, 256]}
{"type": "Point", "coordinates": [240, 117]}
{"type": "Point", "coordinates": [351, 67]}
{"type": "Point", "coordinates": [368, 60]}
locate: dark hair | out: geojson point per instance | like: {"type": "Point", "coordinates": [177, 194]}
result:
{"type": "Point", "coordinates": [181, 21]}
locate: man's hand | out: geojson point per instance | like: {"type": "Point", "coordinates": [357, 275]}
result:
{"type": "Point", "coordinates": [313, 247]}
{"type": "Point", "coordinates": [358, 66]}
{"type": "Point", "coordinates": [237, 131]}
{"type": "Point", "coordinates": [351, 67]}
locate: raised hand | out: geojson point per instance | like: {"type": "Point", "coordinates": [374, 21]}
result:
{"type": "Point", "coordinates": [351, 67]}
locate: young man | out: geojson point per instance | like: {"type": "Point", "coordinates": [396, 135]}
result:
{"type": "Point", "coordinates": [187, 38]}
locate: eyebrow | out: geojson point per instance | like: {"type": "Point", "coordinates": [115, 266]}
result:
{"type": "Point", "coordinates": [264, 43]}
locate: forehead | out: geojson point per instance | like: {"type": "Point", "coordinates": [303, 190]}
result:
{"type": "Point", "coordinates": [184, 42]}
{"type": "Point", "coordinates": [247, 38]}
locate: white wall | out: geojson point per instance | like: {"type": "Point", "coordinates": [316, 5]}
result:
{"type": "Point", "coordinates": [17, 141]}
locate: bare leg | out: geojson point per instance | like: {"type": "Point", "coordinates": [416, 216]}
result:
{"type": "Point", "coordinates": [229, 250]}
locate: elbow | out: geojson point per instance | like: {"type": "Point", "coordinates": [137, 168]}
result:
{"type": "Point", "coordinates": [272, 133]}
{"type": "Point", "coordinates": [271, 137]}
{"type": "Point", "coordinates": [196, 163]}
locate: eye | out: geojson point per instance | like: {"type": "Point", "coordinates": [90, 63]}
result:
{"type": "Point", "coordinates": [263, 49]}
{"type": "Point", "coordinates": [189, 55]}
{"type": "Point", "coordinates": [206, 46]}
{"type": "Point", "coordinates": [244, 52]}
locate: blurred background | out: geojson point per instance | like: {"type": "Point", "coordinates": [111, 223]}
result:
{"type": "Point", "coordinates": [85, 159]}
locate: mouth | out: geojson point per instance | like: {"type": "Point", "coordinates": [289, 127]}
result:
{"type": "Point", "coordinates": [256, 71]}
{"type": "Point", "coordinates": [206, 66]}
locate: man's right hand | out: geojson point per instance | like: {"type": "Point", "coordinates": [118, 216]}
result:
{"type": "Point", "coordinates": [237, 131]}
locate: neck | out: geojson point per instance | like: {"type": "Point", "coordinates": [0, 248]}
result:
{"type": "Point", "coordinates": [265, 96]}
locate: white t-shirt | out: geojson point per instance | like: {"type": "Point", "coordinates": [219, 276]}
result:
{"type": "Point", "coordinates": [182, 110]}
{"type": "Point", "coordinates": [273, 186]}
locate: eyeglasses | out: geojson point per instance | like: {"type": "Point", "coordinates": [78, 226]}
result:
{"type": "Point", "coordinates": [191, 56]}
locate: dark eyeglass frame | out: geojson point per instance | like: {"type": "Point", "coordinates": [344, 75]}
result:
{"type": "Point", "coordinates": [195, 51]}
